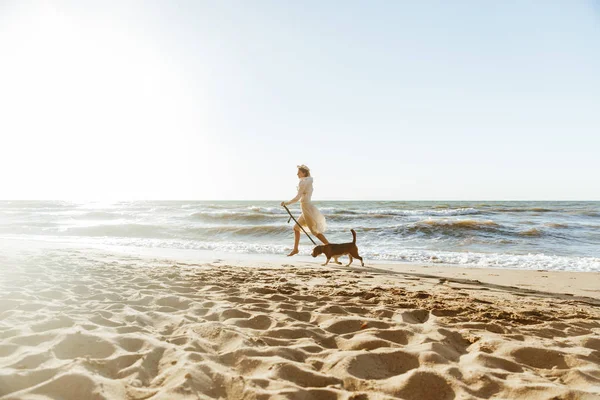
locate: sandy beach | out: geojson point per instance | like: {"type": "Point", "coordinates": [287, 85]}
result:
{"type": "Point", "coordinates": [160, 157]}
{"type": "Point", "coordinates": [88, 324]}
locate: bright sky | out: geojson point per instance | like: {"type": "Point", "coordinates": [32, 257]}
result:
{"type": "Point", "coordinates": [395, 100]}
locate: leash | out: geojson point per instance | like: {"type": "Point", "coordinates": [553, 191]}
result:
{"type": "Point", "coordinates": [292, 217]}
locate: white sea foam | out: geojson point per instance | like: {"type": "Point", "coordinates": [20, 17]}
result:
{"type": "Point", "coordinates": [419, 256]}
{"type": "Point", "coordinates": [490, 260]}
{"type": "Point", "coordinates": [427, 212]}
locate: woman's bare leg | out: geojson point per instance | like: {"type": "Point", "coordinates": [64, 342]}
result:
{"type": "Point", "coordinates": [322, 238]}
{"type": "Point", "coordinates": [296, 241]}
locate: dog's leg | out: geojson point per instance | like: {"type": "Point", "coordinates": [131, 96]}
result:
{"type": "Point", "coordinates": [335, 259]}
{"type": "Point", "coordinates": [361, 260]}
{"type": "Point", "coordinates": [349, 262]}
{"type": "Point", "coordinates": [355, 251]}
{"type": "Point", "coordinates": [326, 262]}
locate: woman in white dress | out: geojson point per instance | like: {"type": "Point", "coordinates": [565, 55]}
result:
{"type": "Point", "coordinates": [311, 217]}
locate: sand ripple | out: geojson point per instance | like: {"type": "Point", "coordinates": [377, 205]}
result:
{"type": "Point", "coordinates": [78, 326]}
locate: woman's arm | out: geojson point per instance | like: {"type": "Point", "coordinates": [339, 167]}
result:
{"type": "Point", "coordinates": [298, 196]}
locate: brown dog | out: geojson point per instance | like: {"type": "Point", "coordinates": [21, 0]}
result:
{"type": "Point", "coordinates": [337, 250]}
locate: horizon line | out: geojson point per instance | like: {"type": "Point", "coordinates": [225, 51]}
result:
{"type": "Point", "coordinates": [314, 201]}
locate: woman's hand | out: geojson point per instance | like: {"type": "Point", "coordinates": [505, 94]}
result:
{"type": "Point", "coordinates": [282, 203]}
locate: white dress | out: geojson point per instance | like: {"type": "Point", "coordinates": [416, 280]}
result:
{"type": "Point", "coordinates": [311, 217]}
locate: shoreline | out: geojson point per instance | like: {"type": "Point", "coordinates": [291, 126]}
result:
{"type": "Point", "coordinates": [563, 283]}
{"type": "Point", "coordinates": [567, 284]}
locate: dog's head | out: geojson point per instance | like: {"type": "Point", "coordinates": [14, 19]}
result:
{"type": "Point", "coordinates": [317, 250]}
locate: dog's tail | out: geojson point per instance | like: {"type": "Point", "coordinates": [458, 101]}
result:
{"type": "Point", "coordinates": [353, 236]}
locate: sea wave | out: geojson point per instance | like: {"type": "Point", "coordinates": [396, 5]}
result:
{"type": "Point", "coordinates": [436, 227]}
{"type": "Point", "coordinates": [357, 217]}
{"type": "Point", "coordinates": [556, 225]}
{"type": "Point", "coordinates": [490, 260]}
{"type": "Point", "coordinates": [533, 232]}
{"type": "Point", "coordinates": [524, 210]}
{"type": "Point", "coordinates": [233, 217]}
{"type": "Point", "coordinates": [270, 210]}
{"type": "Point", "coordinates": [381, 214]}
{"type": "Point", "coordinates": [118, 230]}
{"type": "Point", "coordinates": [452, 227]}
{"type": "Point", "coordinates": [418, 212]}
{"type": "Point", "coordinates": [100, 215]}
{"type": "Point", "coordinates": [243, 230]}
{"type": "Point", "coordinates": [459, 223]}
{"type": "Point", "coordinates": [28, 229]}
{"type": "Point", "coordinates": [188, 232]}
{"type": "Point", "coordinates": [439, 212]}
{"type": "Point", "coordinates": [36, 205]}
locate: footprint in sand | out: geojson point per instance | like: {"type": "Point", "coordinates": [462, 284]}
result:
{"type": "Point", "coordinates": [362, 341]}
{"type": "Point", "coordinates": [412, 317]}
{"type": "Point", "coordinates": [377, 365]}
{"type": "Point", "coordinates": [33, 340]}
{"type": "Point", "coordinates": [398, 336]}
{"type": "Point", "coordinates": [303, 377]}
{"type": "Point", "coordinates": [227, 314]}
{"type": "Point", "coordinates": [83, 345]}
{"type": "Point", "coordinates": [490, 361]}
{"type": "Point", "coordinates": [259, 322]}
{"type": "Point", "coordinates": [32, 361]}
{"type": "Point", "coordinates": [131, 344]}
{"type": "Point", "coordinates": [420, 385]}
{"type": "Point", "coordinates": [27, 379]}
{"type": "Point", "coordinates": [53, 323]}
{"type": "Point", "coordinates": [352, 325]}
{"type": "Point", "coordinates": [539, 357]}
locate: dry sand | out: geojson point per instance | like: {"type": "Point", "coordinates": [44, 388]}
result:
{"type": "Point", "coordinates": [83, 325]}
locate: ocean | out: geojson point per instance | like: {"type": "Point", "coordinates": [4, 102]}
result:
{"type": "Point", "coordinates": [521, 235]}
